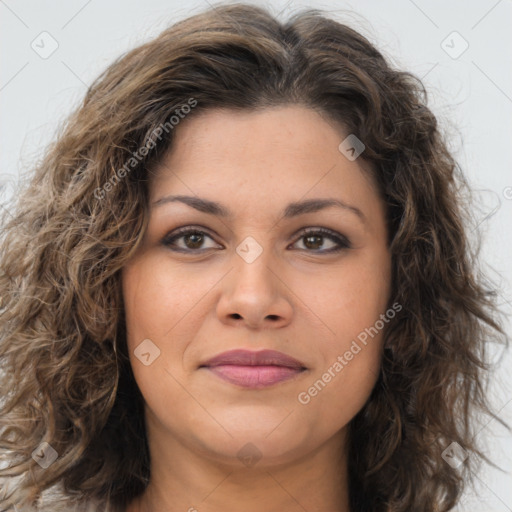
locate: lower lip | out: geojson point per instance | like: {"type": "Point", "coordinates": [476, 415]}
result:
{"type": "Point", "coordinates": [254, 377]}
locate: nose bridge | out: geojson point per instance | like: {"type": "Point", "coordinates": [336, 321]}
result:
{"type": "Point", "coordinates": [252, 275]}
{"type": "Point", "coordinates": [253, 292]}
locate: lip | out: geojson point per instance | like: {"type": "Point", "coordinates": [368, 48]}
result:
{"type": "Point", "coordinates": [254, 370]}
{"type": "Point", "coordinates": [243, 357]}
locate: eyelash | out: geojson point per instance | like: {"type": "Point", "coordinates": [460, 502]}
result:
{"type": "Point", "coordinates": [342, 241]}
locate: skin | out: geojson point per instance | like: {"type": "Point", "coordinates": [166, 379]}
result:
{"type": "Point", "coordinates": [293, 298]}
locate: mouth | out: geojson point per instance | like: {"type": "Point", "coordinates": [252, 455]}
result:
{"type": "Point", "coordinates": [254, 370]}
{"type": "Point", "coordinates": [254, 377]}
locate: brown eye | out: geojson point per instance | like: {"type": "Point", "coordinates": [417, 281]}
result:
{"type": "Point", "coordinates": [314, 240]}
{"type": "Point", "coordinates": [188, 240]}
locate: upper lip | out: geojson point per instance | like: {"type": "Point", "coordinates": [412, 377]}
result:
{"type": "Point", "coordinates": [250, 358]}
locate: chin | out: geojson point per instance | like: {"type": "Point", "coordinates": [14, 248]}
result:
{"type": "Point", "coordinates": [263, 444]}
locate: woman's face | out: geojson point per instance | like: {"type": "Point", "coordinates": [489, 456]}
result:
{"type": "Point", "coordinates": [251, 279]}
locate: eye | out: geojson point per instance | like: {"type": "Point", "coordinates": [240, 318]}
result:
{"type": "Point", "coordinates": [192, 240]}
{"type": "Point", "coordinates": [314, 240]}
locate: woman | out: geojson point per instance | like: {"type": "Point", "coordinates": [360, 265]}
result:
{"type": "Point", "coordinates": [241, 277]}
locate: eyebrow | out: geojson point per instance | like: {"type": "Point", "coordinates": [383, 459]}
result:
{"type": "Point", "coordinates": [292, 210]}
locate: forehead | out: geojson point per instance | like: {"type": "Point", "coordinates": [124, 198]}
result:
{"type": "Point", "coordinates": [279, 154]}
{"type": "Point", "coordinates": [272, 136]}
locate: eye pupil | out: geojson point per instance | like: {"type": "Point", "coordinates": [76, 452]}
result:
{"type": "Point", "coordinates": [311, 239]}
{"type": "Point", "coordinates": [197, 240]}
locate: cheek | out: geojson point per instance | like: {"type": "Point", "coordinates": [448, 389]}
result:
{"type": "Point", "coordinates": [157, 296]}
{"type": "Point", "coordinates": [350, 305]}
{"type": "Point", "coordinates": [349, 298]}
{"type": "Point", "coordinates": [155, 299]}
{"type": "Point", "coordinates": [349, 366]}
{"type": "Point", "coordinates": [163, 303]}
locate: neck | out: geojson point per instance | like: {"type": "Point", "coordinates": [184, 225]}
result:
{"type": "Point", "coordinates": [192, 482]}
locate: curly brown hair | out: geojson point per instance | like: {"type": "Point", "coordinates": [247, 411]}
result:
{"type": "Point", "coordinates": [64, 369]}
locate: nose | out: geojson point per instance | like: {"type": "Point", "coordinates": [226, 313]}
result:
{"type": "Point", "coordinates": [255, 296]}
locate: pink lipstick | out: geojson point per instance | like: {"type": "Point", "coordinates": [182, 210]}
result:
{"type": "Point", "coordinates": [254, 370]}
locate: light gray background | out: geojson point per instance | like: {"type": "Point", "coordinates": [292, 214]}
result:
{"type": "Point", "coordinates": [471, 94]}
